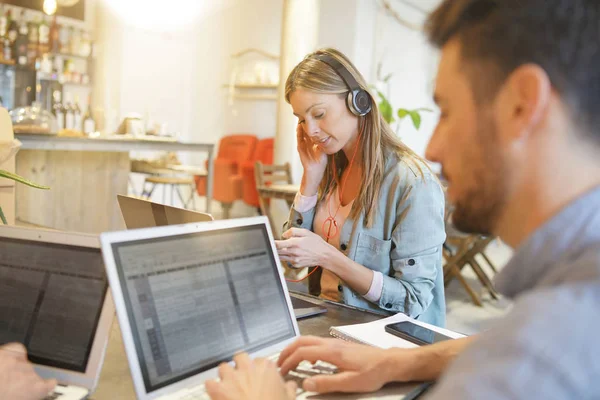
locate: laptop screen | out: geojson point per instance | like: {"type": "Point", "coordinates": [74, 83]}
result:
{"type": "Point", "coordinates": [51, 298]}
{"type": "Point", "coordinates": [194, 300]}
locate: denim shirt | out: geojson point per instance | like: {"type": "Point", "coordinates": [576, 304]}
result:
{"type": "Point", "coordinates": [404, 243]}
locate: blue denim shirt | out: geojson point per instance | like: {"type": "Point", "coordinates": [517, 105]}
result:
{"type": "Point", "coordinates": [404, 243]}
{"type": "Point", "coordinates": [547, 347]}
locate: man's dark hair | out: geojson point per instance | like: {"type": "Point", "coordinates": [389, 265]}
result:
{"type": "Point", "coordinates": [497, 36]}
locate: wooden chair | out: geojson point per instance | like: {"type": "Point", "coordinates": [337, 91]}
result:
{"type": "Point", "coordinates": [273, 182]}
{"type": "Point", "coordinates": [461, 249]}
{"type": "Point", "coordinates": [459, 252]}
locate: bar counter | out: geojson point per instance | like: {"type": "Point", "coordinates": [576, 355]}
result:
{"type": "Point", "coordinates": [85, 175]}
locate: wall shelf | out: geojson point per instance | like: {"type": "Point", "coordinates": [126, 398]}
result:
{"type": "Point", "coordinates": [252, 86]}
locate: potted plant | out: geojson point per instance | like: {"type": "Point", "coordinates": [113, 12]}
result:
{"type": "Point", "coordinates": [390, 115]}
{"type": "Point", "coordinates": [8, 150]}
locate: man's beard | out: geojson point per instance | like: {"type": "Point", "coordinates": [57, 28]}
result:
{"type": "Point", "coordinates": [479, 209]}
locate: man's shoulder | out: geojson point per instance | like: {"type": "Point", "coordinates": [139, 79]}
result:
{"type": "Point", "coordinates": [546, 347]}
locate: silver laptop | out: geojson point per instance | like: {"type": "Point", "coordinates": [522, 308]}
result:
{"type": "Point", "coordinates": [189, 297]}
{"type": "Point", "coordinates": [139, 213]}
{"type": "Point", "coordinates": [54, 299]}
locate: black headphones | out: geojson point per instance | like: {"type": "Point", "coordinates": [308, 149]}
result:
{"type": "Point", "coordinates": [359, 100]}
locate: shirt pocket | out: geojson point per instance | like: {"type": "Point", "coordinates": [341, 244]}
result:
{"type": "Point", "coordinates": [373, 253]}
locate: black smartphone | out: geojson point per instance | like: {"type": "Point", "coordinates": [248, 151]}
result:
{"type": "Point", "coordinates": [415, 333]}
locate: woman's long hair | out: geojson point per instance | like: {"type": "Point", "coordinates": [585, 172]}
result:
{"type": "Point", "coordinates": [379, 141]}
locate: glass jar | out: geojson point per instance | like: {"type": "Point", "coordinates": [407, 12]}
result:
{"type": "Point", "coordinates": [33, 120]}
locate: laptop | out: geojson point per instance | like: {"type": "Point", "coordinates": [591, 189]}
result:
{"type": "Point", "coordinates": [139, 213]}
{"type": "Point", "coordinates": [189, 297]}
{"type": "Point", "coordinates": [54, 299]}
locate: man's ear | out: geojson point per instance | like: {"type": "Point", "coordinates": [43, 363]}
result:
{"type": "Point", "coordinates": [525, 100]}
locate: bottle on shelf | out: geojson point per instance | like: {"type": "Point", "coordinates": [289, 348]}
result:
{"type": "Point", "coordinates": [33, 41]}
{"type": "Point", "coordinates": [54, 36]}
{"type": "Point", "coordinates": [13, 27]}
{"type": "Point", "coordinates": [7, 49]}
{"type": "Point", "coordinates": [57, 109]}
{"type": "Point", "coordinates": [89, 125]}
{"type": "Point", "coordinates": [75, 45]}
{"type": "Point", "coordinates": [64, 39]}
{"type": "Point", "coordinates": [44, 36]}
{"type": "Point", "coordinates": [21, 44]}
{"type": "Point", "coordinates": [4, 20]}
{"type": "Point", "coordinates": [69, 113]}
{"type": "Point", "coordinates": [77, 117]}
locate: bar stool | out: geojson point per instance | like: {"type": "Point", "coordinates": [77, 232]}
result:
{"type": "Point", "coordinates": [175, 182]}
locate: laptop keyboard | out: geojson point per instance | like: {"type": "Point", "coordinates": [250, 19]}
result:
{"type": "Point", "coordinates": [53, 396]}
{"type": "Point", "coordinates": [304, 370]}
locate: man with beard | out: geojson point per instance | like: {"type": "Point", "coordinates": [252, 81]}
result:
{"type": "Point", "coordinates": [518, 87]}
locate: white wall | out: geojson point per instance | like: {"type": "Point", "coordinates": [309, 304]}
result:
{"type": "Point", "coordinates": [368, 35]}
{"type": "Point", "coordinates": [177, 76]}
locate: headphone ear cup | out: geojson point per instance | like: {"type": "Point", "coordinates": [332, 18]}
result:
{"type": "Point", "coordinates": [350, 104]}
{"type": "Point", "coordinates": [359, 102]}
{"type": "Point", "coordinates": [362, 102]}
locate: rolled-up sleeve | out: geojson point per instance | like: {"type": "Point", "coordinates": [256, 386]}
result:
{"type": "Point", "coordinates": [302, 219]}
{"type": "Point", "coordinates": [417, 239]}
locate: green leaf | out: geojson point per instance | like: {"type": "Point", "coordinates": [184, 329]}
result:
{"type": "Point", "coordinates": [403, 112]}
{"type": "Point", "coordinates": [387, 78]}
{"type": "Point", "coordinates": [416, 119]}
{"type": "Point", "coordinates": [17, 178]}
{"type": "Point", "coordinates": [424, 109]}
{"type": "Point", "coordinates": [386, 109]}
{"type": "Point", "coordinates": [2, 217]}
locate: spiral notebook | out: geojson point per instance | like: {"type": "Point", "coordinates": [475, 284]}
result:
{"type": "Point", "coordinates": [374, 334]}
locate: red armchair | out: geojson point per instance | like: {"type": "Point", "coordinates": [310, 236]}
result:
{"type": "Point", "coordinates": [264, 154]}
{"type": "Point", "coordinates": [234, 150]}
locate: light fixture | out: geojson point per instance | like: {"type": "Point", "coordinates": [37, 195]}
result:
{"type": "Point", "coordinates": [49, 7]}
{"type": "Point", "coordinates": [158, 15]}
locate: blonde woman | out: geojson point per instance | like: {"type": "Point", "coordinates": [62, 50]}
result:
{"type": "Point", "coordinates": [368, 220]}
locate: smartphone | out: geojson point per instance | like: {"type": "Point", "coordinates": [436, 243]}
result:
{"type": "Point", "coordinates": [415, 333]}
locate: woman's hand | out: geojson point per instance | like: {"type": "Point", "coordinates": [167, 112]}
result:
{"type": "Point", "coordinates": [303, 248]}
{"type": "Point", "coordinates": [314, 162]}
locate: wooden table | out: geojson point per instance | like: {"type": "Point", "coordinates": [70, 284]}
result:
{"type": "Point", "coordinates": [115, 378]}
{"type": "Point", "coordinates": [285, 192]}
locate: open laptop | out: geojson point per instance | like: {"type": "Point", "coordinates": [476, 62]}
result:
{"type": "Point", "coordinates": [139, 213]}
{"type": "Point", "coordinates": [54, 299]}
{"type": "Point", "coordinates": [189, 297]}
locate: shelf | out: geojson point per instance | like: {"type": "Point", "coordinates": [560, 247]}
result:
{"type": "Point", "coordinates": [65, 83]}
{"type": "Point", "coordinates": [67, 55]}
{"type": "Point", "coordinates": [252, 86]}
{"type": "Point", "coordinates": [7, 62]}
{"type": "Point", "coordinates": [255, 96]}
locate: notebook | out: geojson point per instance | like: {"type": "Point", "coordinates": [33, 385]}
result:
{"type": "Point", "coordinates": [374, 334]}
{"type": "Point", "coordinates": [54, 299]}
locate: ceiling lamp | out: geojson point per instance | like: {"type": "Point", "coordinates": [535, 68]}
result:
{"type": "Point", "coordinates": [49, 7]}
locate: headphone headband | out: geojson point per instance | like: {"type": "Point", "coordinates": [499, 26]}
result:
{"type": "Point", "coordinates": [340, 70]}
{"type": "Point", "coordinates": [359, 100]}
